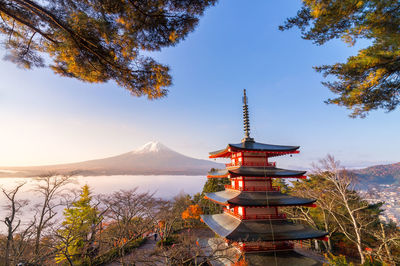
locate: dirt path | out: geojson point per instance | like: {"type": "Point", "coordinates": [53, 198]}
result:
{"type": "Point", "coordinates": [141, 251]}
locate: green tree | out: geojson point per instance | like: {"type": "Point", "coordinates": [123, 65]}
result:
{"type": "Point", "coordinates": [211, 185]}
{"type": "Point", "coordinates": [77, 235]}
{"type": "Point", "coordinates": [98, 41]}
{"type": "Point", "coordinates": [370, 80]}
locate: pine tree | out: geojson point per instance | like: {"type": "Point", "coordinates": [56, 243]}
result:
{"type": "Point", "coordinates": [79, 229]}
{"type": "Point", "coordinates": [212, 185]}
{"type": "Point", "coordinates": [98, 41]}
{"type": "Point", "coordinates": [371, 79]}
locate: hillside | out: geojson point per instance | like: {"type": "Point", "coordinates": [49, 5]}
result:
{"type": "Point", "coordinates": [380, 174]}
{"type": "Point", "coordinates": [151, 159]}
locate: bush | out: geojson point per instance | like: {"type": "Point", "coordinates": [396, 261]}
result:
{"type": "Point", "coordinates": [113, 254]}
{"type": "Point", "coordinates": [339, 260]}
{"type": "Point", "coordinates": [167, 242]}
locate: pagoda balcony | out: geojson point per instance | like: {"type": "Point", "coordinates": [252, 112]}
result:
{"type": "Point", "coordinates": [253, 188]}
{"type": "Point", "coordinates": [279, 216]}
{"type": "Point", "coordinates": [266, 246]}
{"type": "Point", "coordinates": [271, 164]}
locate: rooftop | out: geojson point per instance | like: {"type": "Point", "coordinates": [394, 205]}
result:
{"type": "Point", "coordinates": [270, 198]}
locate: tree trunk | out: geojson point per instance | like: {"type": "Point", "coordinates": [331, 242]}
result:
{"type": "Point", "coordinates": [386, 246]}
{"type": "Point", "coordinates": [356, 231]}
{"type": "Point", "coordinates": [316, 245]}
{"type": "Point", "coordinates": [7, 253]}
{"type": "Point", "coordinates": [327, 245]}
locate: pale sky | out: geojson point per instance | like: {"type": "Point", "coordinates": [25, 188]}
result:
{"type": "Point", "coordinates": [46, 119]}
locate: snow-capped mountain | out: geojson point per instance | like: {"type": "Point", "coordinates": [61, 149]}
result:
{"type": "Point", "coordinates": [152, 158]}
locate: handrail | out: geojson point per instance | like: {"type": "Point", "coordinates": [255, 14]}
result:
{"type": "Point", "coordinates": [278, 216]}
{"type": "Point", "coordinates": [253, 188]}
{"type": "Point", "coordinates": [265, 216]}
{"type": "Point", "coordinates": [271, 164]}
{"type": "Point", "coordinates": [260, 247]}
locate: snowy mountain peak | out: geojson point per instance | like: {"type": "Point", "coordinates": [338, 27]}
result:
{"type": "Point", "coordinates": [153, 146]}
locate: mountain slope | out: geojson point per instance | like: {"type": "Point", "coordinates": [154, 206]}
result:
{"type": "Point", "coordinates": [380, 174]}
{"type": "Point", "coordinates": [152, 158]}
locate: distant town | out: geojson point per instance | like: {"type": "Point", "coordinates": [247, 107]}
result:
{"type": "Point", "coordinates": [390, 195]}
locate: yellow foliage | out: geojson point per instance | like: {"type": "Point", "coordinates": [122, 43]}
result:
{"type": "Point", "coordinates": [192, 212]}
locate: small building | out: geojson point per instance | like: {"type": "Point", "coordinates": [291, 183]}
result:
{"type": "Point", "coordinates": [251, 219]}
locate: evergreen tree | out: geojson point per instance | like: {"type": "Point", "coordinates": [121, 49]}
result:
{"type": "Point", "coordinates": [98, 41]}
{"type": "Point", "coordinates": [371, 79]}
{"type": "Point", "coordinates": [79, 229]}
{"type": "Point", "coordinates": [211, 185]}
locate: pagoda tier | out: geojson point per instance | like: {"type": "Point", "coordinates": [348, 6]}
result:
{"type": "Point", "coordinates": [252, 146]}
{"type": "Point", "coordinates": [257, 198]}
{"type": "Point", "coordinates": [238, 230]}
{"type": "Point", "coordinates": [256, 172]}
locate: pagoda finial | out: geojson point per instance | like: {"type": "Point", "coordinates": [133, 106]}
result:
{"type": "Point", "coordinates": [246, 120]}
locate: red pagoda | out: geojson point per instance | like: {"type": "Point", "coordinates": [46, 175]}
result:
{"type": "Point", "coordinates": [251, 219]}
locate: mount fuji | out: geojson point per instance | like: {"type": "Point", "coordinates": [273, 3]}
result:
{"type": "Point", "coordinates": [151, 159]}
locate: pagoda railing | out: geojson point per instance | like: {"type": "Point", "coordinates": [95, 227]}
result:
{"type": "Point", "coordinates": [264, 216]}
{"type": "Point", "coordinates": [278, 216]}
{"type": "Point", "coordinates": [253, 188]}
{"type": "Point", "coordinates": [265, 247]}
{"type": "Point", "coordinates": [271, 164]}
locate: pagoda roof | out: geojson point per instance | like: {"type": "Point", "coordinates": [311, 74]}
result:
{"type": "Point", "coordinates": [286, 257]}
{"type": "Point", "coordinates": [253, 146]}
{"type": "Point", "coordinates": [246, 198]}
{"type": "Point", "coordinates": [237, 230]}
{"type": "Point", "coordinates": [255, 172]}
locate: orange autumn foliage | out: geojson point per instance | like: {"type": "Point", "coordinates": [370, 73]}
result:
{"type": "Point", "coordinates": [241, 262]}
{"type": "Point", "coordinates": [192, 212]}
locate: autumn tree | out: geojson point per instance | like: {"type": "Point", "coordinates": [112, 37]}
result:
{"type": "Point", "coordinates": [192, 214]}
{"type": "Point", "coordinates": [371, 79]}
{"type": "Point", "coordinates": [78, 231]}
{"type": "Point", "coordinates": [99, 41]}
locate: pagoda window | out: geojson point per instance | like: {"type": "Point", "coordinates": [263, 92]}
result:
{"type": "Point", "coordinates": [240, 159]}
{"type": "Point", "coordinates": [233, 183]}
{"type": "Point", "coordinates": [240, 211]}
{"type": "Point", "coordinates": [240, 184]}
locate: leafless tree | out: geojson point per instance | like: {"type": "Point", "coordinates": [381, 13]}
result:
{"type": "Point", "coordinates": [349, 217]}
{"type": "Point", "coordinates": [127, 216]}
{"type": "Point", "coordinates": [387, 239]}
{"type": "Point", "coordinates": [50, 187]}
{"type": "Point", "coordinates": [188, 249]}
{"type": "Point", "coordinates": [11, 221]}
{"type": "Point", "coordinates": [326, 205]}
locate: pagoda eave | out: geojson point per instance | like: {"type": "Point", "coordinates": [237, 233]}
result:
{"type": "Point", "coordinates": [250, 171]}
{"type": "Point", "coordinates": [226, 153]}
{"type": "Point", "coordinates": [248, 199]}
{"type": "Point", "coordinates": [257, 230]}
{"type": "Point", "coordinates": [251, 146]}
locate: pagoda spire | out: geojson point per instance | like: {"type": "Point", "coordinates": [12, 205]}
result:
{"type": "Point", "coordinates": [246, 119]}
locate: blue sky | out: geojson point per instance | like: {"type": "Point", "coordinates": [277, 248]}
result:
{"type": "Point", "coordinates": [48, 119]}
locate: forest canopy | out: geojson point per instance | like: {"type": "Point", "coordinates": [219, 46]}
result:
{"type": "Point", "coordinates": [99, 41]}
